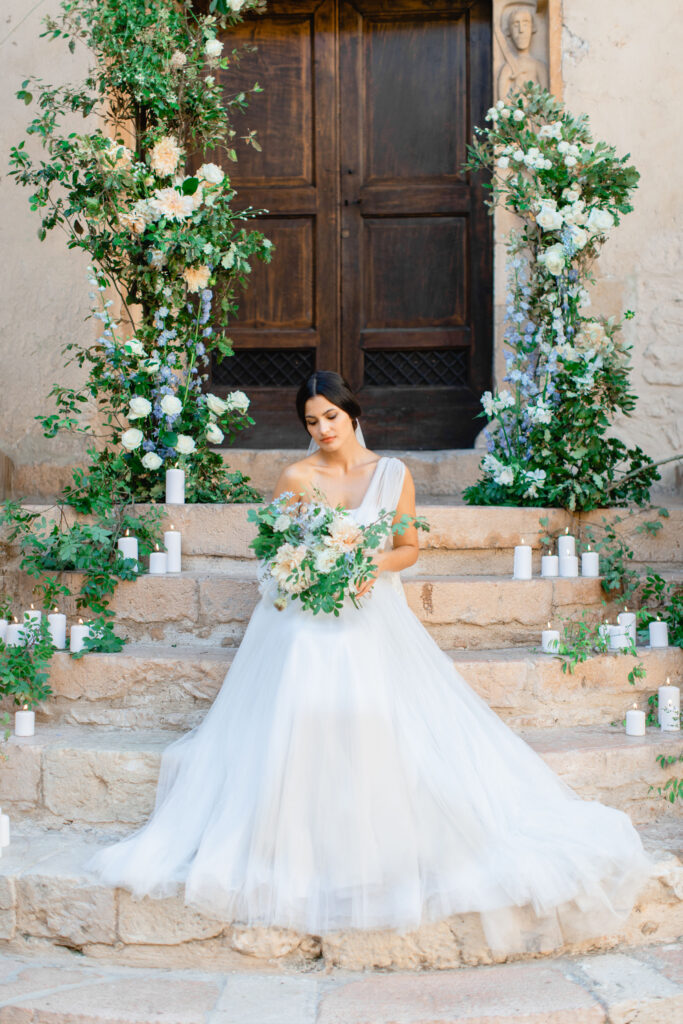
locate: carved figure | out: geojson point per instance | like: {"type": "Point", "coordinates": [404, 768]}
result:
{"type": "Point", "coordinates": [518, 25]}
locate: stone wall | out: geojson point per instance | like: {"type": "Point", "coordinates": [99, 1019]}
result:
{"type": "Point", "coordinates": [617, 62]}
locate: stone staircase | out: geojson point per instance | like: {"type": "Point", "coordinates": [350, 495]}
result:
{"type": "Point", "coordinates": [89, 774]}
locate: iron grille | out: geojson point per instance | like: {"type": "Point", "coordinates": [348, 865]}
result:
{"type": "Point", "coordinates": [263, 367]}
{"type": "Point", "coordinates": [422, 369]}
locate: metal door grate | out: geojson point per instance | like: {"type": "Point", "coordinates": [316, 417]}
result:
{"type": "Point", "coordinates": [263, 367]}
{"type": "Point", "coordinates": [429, 368]}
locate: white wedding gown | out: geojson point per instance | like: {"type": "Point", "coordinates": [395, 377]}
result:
{"type": "Point", "coordinates": [347, 776]}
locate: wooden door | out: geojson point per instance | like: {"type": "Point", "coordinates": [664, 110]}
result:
{"type": "Point", "coordinates": [383, 263]}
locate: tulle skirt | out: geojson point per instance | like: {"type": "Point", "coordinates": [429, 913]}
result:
{"type": "Point", "coordinates": [347, 776]}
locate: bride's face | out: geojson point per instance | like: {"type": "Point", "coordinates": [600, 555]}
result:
{"type": "Point", "coordinates": [328, 425]}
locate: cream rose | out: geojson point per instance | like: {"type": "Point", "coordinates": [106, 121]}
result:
{"type": "Point", "coordinates": [549, 219]}
{"type": "Point", "coordinates": [165, 156]}
{"type": "Point", "coordinates": [171, 405]}
{"type": "Point", "coordinates": [185, 444]}
{"type": "Point", "coordinates": [139, 407]}
{"type": "Point", "coordinates": [282, 523]}
{"type": "Point", "coordinates": [553, 259]}
{"type": "Point", "coordinates": [213, 48]}
{"type": "Point", "coordinates": [237, 401]}
{"type": "Point", "coordinates": [211, 173]}
{"type": "Point", "coordinates": [214, 434]}
{"type": "Point", "coordinates": [134, 347]}
{"type": "Point", "coordinates": [151, 366]}
{"type": "Point", "coordinates": [132, 439]}
{"type": "Point", "coordinates": [325, 559]}
{"type": "Point", "coordinates": [287, 560]}
{"type": "Point", "coordinates": [579, 236]}
{"type": "Point", "coordinates": [196, 278]}
{"type": "Point", "coordinates": [344, 535]}
{"type": "Point", "coordinates": [599, 221]}
{"type": "Point", "coordinates": [216, 405]}
{"type": "Point", "coordinates": [151, 461]}
{"type": "Point", "coordinates": [169, 203]}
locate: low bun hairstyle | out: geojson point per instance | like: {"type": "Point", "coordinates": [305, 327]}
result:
{"type": "Point", "coordinates": [332, 386]}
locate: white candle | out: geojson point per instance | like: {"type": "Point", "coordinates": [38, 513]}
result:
{"type": "Point", "coordinates": [157, 563]}
{"type": "Point", "coordinates": [627, 620]}
{"type": "Point", "coordinates": [24, 722]}
{"type": "Point", "coordinates": [33, 615]}
{"type": "Point", "coordinates": [550, 640]}
{"type": "Point", "coordinates": [4, 829]}
{"type": "Point", "coordinates": [550, 565]}
{"type": "Point", "coordinates": [56, 623]}
{"type": "Point", "coordinates": [604, 631]}
{"type": "Point", "coordinates": [3, 629]}
{"type": "Point", "coordinates": [14, 636]}
{"type": "Point", "coordinates": [569, 564]}
{"type": "Point", "coordinates": [175, 487]}
{"type": "Point", "coordinates": [590, 563]}
{"type": "Point", "coordinates": [635, 722]}
{"type": "Point", "coordinates": [659, 634]}
{"type": "Point", "coordinates": [619, 638]}
{"type": "Point", "coordinates": [78, 635]}
{"type": "Point", "coordinates": [128, 546]}
{"type": "Point", "coordinates": [522, 562]}
{"type": "Point", "coordinates": [669, 707]}
{"type": "Point", "coordinates": [566, 545]}
{"type": "Point", "coordinates": [172, 543]}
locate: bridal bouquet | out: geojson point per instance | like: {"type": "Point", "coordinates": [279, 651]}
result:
{"type": "Point", "coordinates": [319, 554]}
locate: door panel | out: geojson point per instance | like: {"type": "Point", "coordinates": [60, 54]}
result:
{"type": "Point", "coordinates": [383, 263]}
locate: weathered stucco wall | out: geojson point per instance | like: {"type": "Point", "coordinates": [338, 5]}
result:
{"type": "Point", "coordinates": [619, 64]}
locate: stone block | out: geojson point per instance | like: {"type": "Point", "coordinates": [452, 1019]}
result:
{"type": "Point", "coordinates": [225, 600]}
{"type": "Point", "coordinates": [65, 910]}
{"type": "Point", "coordinates": [20, 774]}
{"type": "Point", "coordinates": [165, 922]}
{"type": "Point", "coordinates": [8, 908]}
{"type": "Point", "coordinates": [268, 999]}
{"type": "Point", "coordinates": [157, 599]}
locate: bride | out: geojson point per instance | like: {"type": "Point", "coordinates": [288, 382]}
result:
{"type": "Point", "coordinates": [347, 776]}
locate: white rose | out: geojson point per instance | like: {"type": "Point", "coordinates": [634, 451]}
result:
{"type": "Point", "coordinates": [326, 559]}
{"type": "Point", "coordinates": [237, 401]}
{"type": "Point", "coordinates": [211, 173]}
{"type": "Point", "coordinates": [213, 48]}
{"type": "Point", "coordinates": [282, 523]}
{"type": "Point", "coordinates": [132, 439]}
{"type": "Point", "coordinates": [571, 194]}
{"type": "Point", "coordinates": [599, 220]}
{"type": "Point", "coordinates": [235, 5]}
{"type": "Point", "coordinates": [505, 114]}
{"type": "Point", "coordinates": [553, 259]}
{"type": "Point", "coordinates": [151, 460]}
{"type": "Point", "coordinates": [506, 476]}
{"type": "Point", "coordinates": [170, 405]}
{"type": "Point", "coordinates": [570, 161]}
{"type": "Point", "coordinates": [134, 347]}
{"type": "Point", "coordinates": [563, 147]}
{"type": "Point", "coordinates": [491, 114]}
{"type": "Point", "coordinates": [151, 366]}
{"type": "Point", "coordinates": [549, 219]}
{"type": "Point", "coordinates": [518, 155]}
{"type": "Point", "coordinates": [547, 165]}
{"type": "Point", "coordinates": [503, 162]}
{"type": "Point", "coordinates": [139, 407]}
{"type": "Point", "coordinates": [216, 405]}
{"type": "Point", "coordinates": [185, 444]}
{"type": "Point", "coordinates": [579, 236]}
{"type": "Point", "coordinates": [214, 434]}
{"type": "Point", "coordinates": [518, 115]}
{"type": "Point", "coordinates": [574, 150]}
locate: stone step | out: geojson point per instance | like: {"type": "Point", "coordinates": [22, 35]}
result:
{"type": "Point", "coordinates": [97, 776]}
{"type": "Point", "coordinates": [643, 985]}
{"type": "Point", "coordinates": [153, 685]}
{"type": "Point", "coordinates": [459, 611]}
{"type": "Point", "coordinates": [47, 900]}
{"type": "Point", "coordinates": [462, 539]}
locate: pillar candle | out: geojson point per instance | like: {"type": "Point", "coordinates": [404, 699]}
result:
{"type": "Point", "coordinates": [627, 620]}
{"type": "Point", "coordinates": [172, 543]}
{"type": "Point", "coordinates": [4, 829]}
{"type": "Point", "coordinates": [569, 565]}
{"type": "Point", "coordinates": [78, 635]}
{"type": "Point", "coordinates": [635, 722]}
{"type": "Point", "coordinates": [669, 707]}
{"type": "Point", "coordinates": [128, 546]}
{"type": "Point", "coordinates": [157, 563]}
{"type": "Point", "coordinates": [3, 629]}
{"type": "Point", "coordinates": [33, 615]}
{"type": "Point", "coordinates": [24, 722]}
{"type": "Point", "coordinates": [659, 634]}
{"type": "Point", "coordinates": [566, 545]}
{"type": "Point", "coordinates": [604, 631]}
{"type": "Point", "coordinates": [175, 487]}
{"type": "Point", "coordinates": [14, 636]}
{"type": "Point", "coordinates": [550, 640]}
{"type": "Point", "coordinates": [550, 565]}
{"type": "Point", "coordinates": [590, 563]}
{"type": "Point", "coordinates": [56, 623]}
{"type": "Point", "coordinates": [619, 638]}
{"type": "Point", "coordinates": [522, 562]}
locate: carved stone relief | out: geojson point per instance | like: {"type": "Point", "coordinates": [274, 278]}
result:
{"type": "Point", "coordinates": [524, 35]}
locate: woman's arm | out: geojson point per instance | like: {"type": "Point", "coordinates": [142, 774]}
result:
{"type": "Point", "coordinates": [406, 547]}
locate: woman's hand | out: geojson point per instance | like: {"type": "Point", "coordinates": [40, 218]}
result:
{"type": "Point", "coordinates": [376, 569]}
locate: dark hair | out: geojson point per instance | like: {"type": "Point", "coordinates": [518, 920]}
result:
{"type": "Point", "coordinates": [331, 385]}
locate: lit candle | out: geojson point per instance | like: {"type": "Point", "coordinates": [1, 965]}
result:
{"type": "Point", "coordinates": [4, 623]}
{"type": "Point", "coordinates": [669, 707]}
{"type": "Point", "coordinates": [78, 635]}
{"type": "Point", "coordinates": [175, 487]}
{"type": "Point", "coordinates": [604, 631]}
{"type": "Point", "coordinates": [590, 563]}
{"type": "Point", "coordinates": [157, 562]}
{"type": "Point", "coordinates": [522, 562]}
{"type": "Point", "coordinates": [627, 620]}
{"type": "Point", "coordinates": [635, 722]}
{"type": "Point", "coordinates": [550, 640]}
{"type": "Point", "coordinates": [4, 829]}
{"type": "Point", "coordinates": [33, 615]}
{"type": "Point", "coordinates": [550, 565]}
{"type": "Point", "coordinates": [566, 546]}
{"type": "Point", "coordinates": [619, 638]}
{"type": "Point", "coordinates": [56, 623]}
{"type": "Point", "coordinates": [659, 634]}
{"type": "Point", "coordinates": [25, 722]}
{"type": "Point", "coordinates": [14, 636]}
{"type": "Point", "coordinates": [172, 543]}
{"type": "Point", "coordinates": [569, 565]}
{"type": "Point", "coordinates": [128, 546]}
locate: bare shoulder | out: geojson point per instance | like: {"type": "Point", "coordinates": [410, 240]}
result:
{"type": "Point", "coordinates": [295, 477]}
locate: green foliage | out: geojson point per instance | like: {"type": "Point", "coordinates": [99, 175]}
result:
{"type": "Point", "coordinates": [24, 669]}
{"type": "Point", "coordinates": [567, 372]}
{"type": "Point", "coordinates": [672, 789]}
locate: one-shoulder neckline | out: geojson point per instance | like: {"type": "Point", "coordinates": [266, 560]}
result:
{"type": "Point", "coordinates": [367, 490]}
